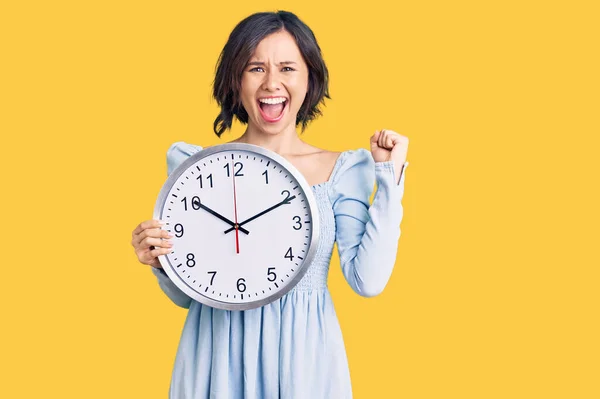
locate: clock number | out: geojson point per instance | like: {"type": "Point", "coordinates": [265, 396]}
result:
{"type": "Point", "coordinates": [297, 220]}
{"type": "Point", "coordinates": [289, 255]}
{"type": "Point", "coordinates": [238, 172]}
{"type": "Point", "coordinates": [287, 194]}
{"type": "Point", "coordinates": [266, 175]}
{"type": "Point", "coordinates": [213, 277]}
{"type": "Point", "coordinates": [271, 273]}
{"type": "Point", "coordinates": [195, 203]}
{"type": "Point", "coordinates": [240, 285]}
{"type": "Point", "coordinates": [209, 178]}
{"type": "Point", "coordinates": [178, 230]}
{"type": "Point", "coordinates": [191, 262]}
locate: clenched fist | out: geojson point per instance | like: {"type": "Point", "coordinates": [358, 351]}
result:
{"type": "Point", "coordinates": [387, 145]}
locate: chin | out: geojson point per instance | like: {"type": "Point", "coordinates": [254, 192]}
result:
{"type": "Point", "coordinates": [273, 129]}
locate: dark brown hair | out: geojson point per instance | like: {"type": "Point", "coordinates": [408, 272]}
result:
{"type": "Point", "coordinates": [240, 46]}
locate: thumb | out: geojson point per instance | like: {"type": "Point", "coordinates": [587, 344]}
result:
{"type": "Point", "coordinates": [375, 137]}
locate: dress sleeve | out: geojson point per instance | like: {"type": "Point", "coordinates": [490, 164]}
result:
{"type": "Point", "coordinates": [176, 154]}
{"type": "Point", "coordinates": [367, 235]}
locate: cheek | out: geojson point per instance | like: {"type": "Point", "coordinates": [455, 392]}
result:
{"type": "Point", "coordinates": [244, 88]}
{"type": "Point", "coordinates": [247, 92]}
{"type": "Point", "coordinates": [300, 88]}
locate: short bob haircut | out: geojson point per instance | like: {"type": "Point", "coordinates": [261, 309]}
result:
{"type": "Point", "coordinates": [236, 54]}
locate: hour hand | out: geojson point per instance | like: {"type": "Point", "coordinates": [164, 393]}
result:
{"type": "Point", "coordinates": [197, 204]}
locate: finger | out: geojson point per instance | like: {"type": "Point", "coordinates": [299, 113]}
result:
{"type": "Point", "coordinates": [148, 257]}
{"type": "Point", "coordinates": [382, 137]}
{"type": "Point", "coordinates": [155, 232]}
{"type": "Point", "coordinates": [155, 253]}
{"type": "Point", "coordinates": [152, 243]}
{"type": "Point", "coordinates": [390, 141]}
{"type": "Point", "coordinates": [375, 137]}
{"type": "Point", "coordinates": [136, 240]}
{"type": "Point", "coordinates": [148, 224]}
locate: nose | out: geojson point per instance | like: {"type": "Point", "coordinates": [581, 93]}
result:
{"type": "Point", "coordinates": [271, 81]}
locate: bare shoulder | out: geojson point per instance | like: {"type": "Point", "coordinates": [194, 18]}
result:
{"type": "Point", "coordinates": [317, 156]}
{"type": "Point", "coordinates": [315, 164]}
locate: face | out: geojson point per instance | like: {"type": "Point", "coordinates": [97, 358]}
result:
{"type": "Point", "coordinates": [274, 84]}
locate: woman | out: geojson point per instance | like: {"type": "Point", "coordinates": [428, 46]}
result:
{"type": "Point", "coordinates": [271, 76]}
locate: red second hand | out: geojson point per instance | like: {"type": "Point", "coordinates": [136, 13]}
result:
{"type": "Point", "coordinates": [237, 238]}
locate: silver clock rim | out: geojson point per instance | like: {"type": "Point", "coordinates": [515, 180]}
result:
{"type": "Point", "coordinates": [313, 211]}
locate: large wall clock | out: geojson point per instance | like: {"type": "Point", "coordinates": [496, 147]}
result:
{"type": "Point", "coordinates": [245, 225]}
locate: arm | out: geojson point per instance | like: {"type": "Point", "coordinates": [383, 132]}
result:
{"type": "Point", "coordinates": [367, 235]}
{"type": "Point", "coordinates": [178, 297]}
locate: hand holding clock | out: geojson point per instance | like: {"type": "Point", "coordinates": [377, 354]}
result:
{"type": "Point", "coordinates": [387, 145]}
{"type": "Point", "coordinates": [150, 241]}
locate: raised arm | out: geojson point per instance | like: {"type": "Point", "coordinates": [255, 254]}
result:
{"type": "Point", "coordinates": [367, 235]}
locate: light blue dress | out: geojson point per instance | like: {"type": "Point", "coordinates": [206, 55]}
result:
{"type": "Point", "coordinates": [293, 348]}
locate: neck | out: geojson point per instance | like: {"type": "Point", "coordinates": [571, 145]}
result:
{"type": "Point", "coordinates": [282, 143]}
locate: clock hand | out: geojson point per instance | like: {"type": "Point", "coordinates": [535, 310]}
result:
{"type": "Point", "coordinates": [223, 218]}
{"type": "Point", "coordinates": [236, 226]}
{"type": "Point", "coordinates": [285, 201]}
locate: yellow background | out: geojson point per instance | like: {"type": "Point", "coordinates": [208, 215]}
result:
{"type": "Point", "coordinates": [495, 290]}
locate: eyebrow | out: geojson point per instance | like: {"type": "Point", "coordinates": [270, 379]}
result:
{"type": "Point", "coordinates": [262, 63]}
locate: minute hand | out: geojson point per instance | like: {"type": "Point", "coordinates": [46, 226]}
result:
{"type": "Point", "coordinates": [284, 202]}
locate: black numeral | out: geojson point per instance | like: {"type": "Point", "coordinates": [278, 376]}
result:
{"type": "Point", "coordinates": [289, 255]}
{"type": "Point", "coordinates": [287, 194]}
{"type": "Point", "coordinates": [178, 230]}
{"type": "Point", "coordinates": [240, 285]}
{"type": "Point", "coordinates": [191, 262]}
{"type": "Point", "coordinates": [195, 203]}
{"type": "Point", "coordinates": [266, 175]}
{"type": "Point", "coordinates": [209, 178]}
{"type": "Point", "coordinates": [271, 274]}
{"type": "Point", "coordinates": [213, 276]}
{"type": "Point", "coordinates": [238, 172]}
{"type": "Point", "coordinates": [297, 219]}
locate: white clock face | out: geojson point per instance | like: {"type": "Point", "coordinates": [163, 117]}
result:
{"type": "Point", "coordinates": [260, 193]}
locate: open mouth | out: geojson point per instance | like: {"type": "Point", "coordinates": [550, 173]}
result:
{"type": "Point", "coordinates": [272, 109]}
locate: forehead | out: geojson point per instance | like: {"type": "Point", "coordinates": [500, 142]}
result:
{"type": "Point", "coordinates": [279, 46]}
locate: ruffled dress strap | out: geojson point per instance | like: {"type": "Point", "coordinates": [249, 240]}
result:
{"type": "Point", "coordinates": [179, 152]}
{"type": "Point", "coordinates": [366, 234]}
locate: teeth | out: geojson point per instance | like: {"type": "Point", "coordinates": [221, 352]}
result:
{"type": "Point", "coordinates": [277, 100]}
